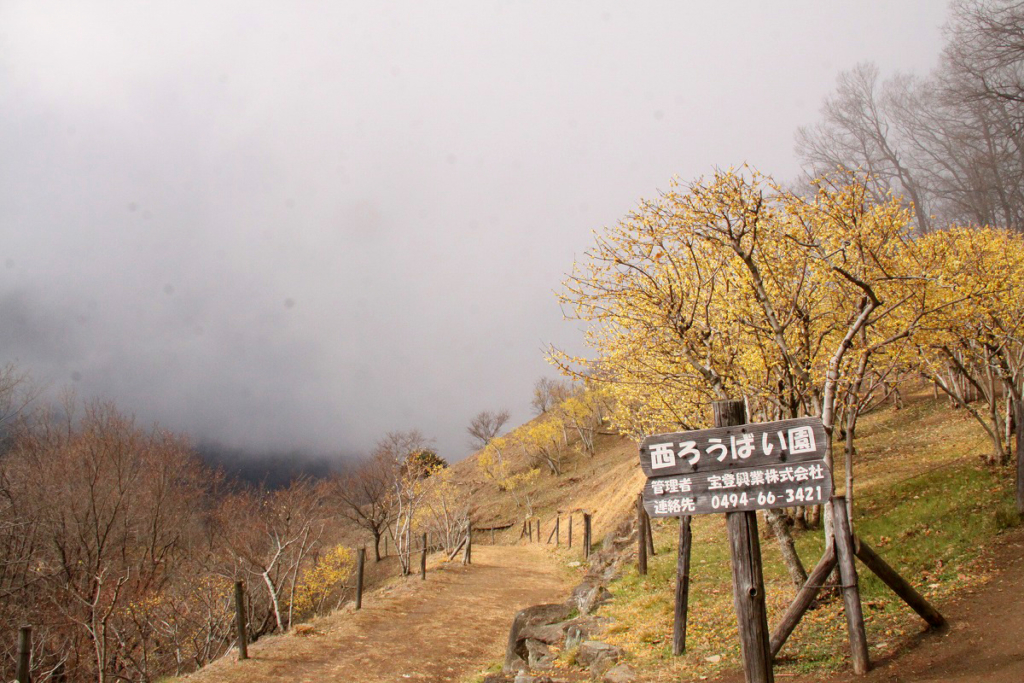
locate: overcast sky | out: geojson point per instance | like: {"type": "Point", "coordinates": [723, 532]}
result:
{"type": "Point", "coordinates": [298, 225]}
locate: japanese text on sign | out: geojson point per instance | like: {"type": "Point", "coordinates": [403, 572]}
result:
{"type": "Point", "coordinates": [747, 489]}
{"type": "Point", "coordinates": [724, 448]}
{"type": "Point", "coordinates": [801, 440]}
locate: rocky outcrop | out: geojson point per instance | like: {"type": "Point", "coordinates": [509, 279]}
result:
{"type": "Point", "coordinates": [538, 633]}
{"type": "Point", "coordinates": [517, 653]}
{"type": "Point", "coordinates": [598, 656]}
{"type": "Point", "coordinates": [620, 673]}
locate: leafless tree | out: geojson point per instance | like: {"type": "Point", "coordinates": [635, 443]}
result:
{"type": "Point", "coordinates": [548, 393]}
{"type": "Point", "coordinates": [486, 425]}
{"type": "Point", "coordinates": [366, 496]}
{"type": "Point", "coordinates": [952, 143]}
{"type": "Point", "coordinates": [398, 449]}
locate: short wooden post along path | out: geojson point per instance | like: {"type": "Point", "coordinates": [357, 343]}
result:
{"type": "Point", "coordinates": [739, 468]}
{"type": "Point", "coordinates": [22, 674]}
{"type": "Point", "coordinates": [360, 564]}
{"type": "Point", "coordinates": [423, 560]}
{"type": "Point", "coordinates": [586, 535]}
{"type": "Point", "coordinates": [240, 626]}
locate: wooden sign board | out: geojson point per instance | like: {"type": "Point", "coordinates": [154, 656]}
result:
{"type": "Point", "coordinates": [746, 488]}
{"type": "Point", "coordinates": [732, 448]}
{"type": "Point", "coordinates": [728, 469]}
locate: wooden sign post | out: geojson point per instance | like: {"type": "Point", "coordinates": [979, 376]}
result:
{"type": "Point", "coordinates": [682, 586]}
{"type": "Point", "coordinates": [738, 468]}
{"type": "Point", "coordinates": [747, 577]}
{"type": "Point", "coordinates": [735, 468]}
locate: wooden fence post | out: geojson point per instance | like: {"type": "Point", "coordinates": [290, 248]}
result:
{"type": "Point", "coordinates": [359, 577]}
{"type": "Point", "coordinates": [747, 575]}
{"type": "Point", "coordinates": [851, 591]}
{"type": "Point", "coordinates": [570, 531]}
{"type": "Point", "coordinates": [24, 654]}
{"type": "Point", "coordinates": [538, 530]}
{"type": "Point", "coordinates": [467, 554]}
{"type": "Point", "coordinates": [529, 529]}
{"type": "Point", "coordinates": [423, 559]}
{"type": "Point", "coordinates": [586, 535]}
{"type": "Point", "coordinates": [682, 586]}
{"type": "Point", "coordinates": [641, 537]}
{"type": "Point", "coordinates": [240, 626]}
{"type": "Point", "coordinates": [558, 531]}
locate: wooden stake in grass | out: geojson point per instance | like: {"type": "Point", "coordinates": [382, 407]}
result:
{"type": "Point", "coordinates": [641, 536]}
{"type": "Point", "coordinates": [650, 534]}
{"type": "Point", "coordinates": [570, 531]}
{"type": "Point", "coordinates": [682, 586]}
{"type": "Point", "coordinates": [240, 627]}
{"type": "Point", "coordinates": [747, 575]}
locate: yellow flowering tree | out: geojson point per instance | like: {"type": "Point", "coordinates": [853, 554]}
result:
{"type": "Point", "coordinates": [734, 288]}
{"type": "Point", "coordinates": [975, 347]}
{"type": "Point", "coordinates": [323, 586]}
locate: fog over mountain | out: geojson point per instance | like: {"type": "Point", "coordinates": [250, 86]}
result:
{"type": "Point", "coordinates": [291, 227]}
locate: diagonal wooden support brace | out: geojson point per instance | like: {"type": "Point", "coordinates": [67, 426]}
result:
{"type": "Point", "coordinates": [897, 583]}
{"type": "Point", "coordinates": [803, 600]}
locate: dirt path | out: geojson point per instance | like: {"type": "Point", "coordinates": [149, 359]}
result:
{"type": "Point", "coordinates": [444, 629]}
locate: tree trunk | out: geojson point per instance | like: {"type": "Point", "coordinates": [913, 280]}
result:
{"type": "Point", "coordinates": [777, 521]}
{"type": "Point", "coordinates": [272, 589]}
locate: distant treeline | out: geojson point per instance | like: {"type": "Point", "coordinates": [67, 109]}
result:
{"type": "Point", "coordinates": [270, 469]}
